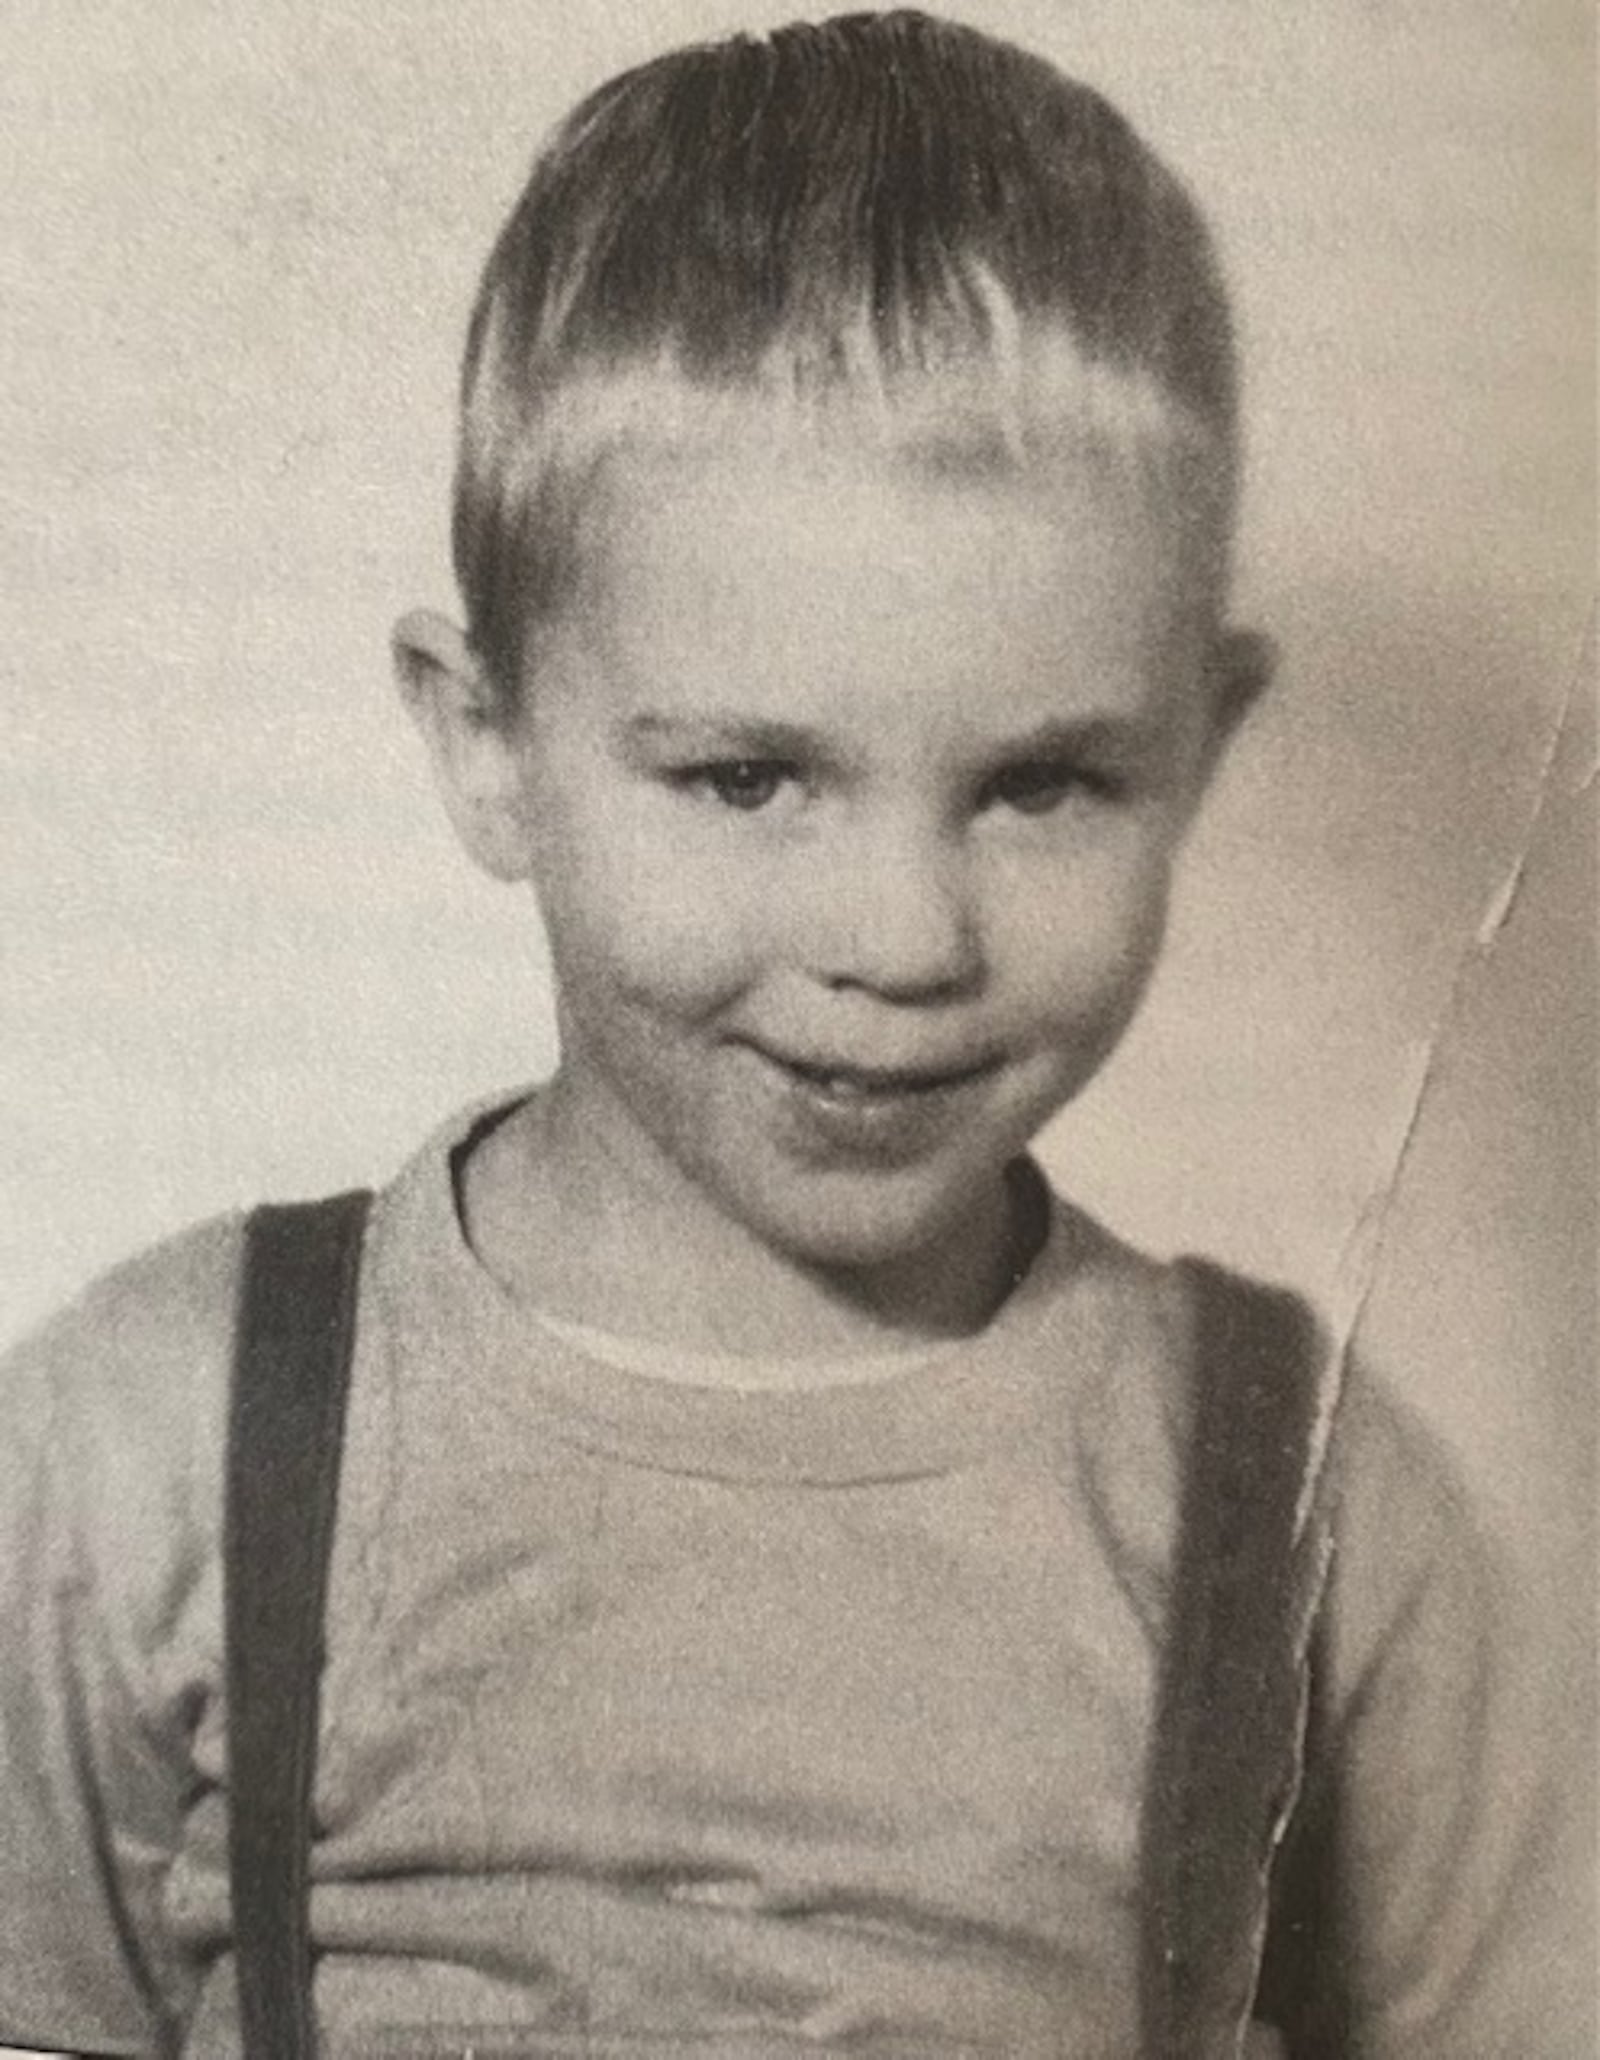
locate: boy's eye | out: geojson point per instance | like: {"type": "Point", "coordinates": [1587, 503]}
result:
{"type": "Point", "coordinates": [1035, 787]}
{"type": "Point", "coordinates": [748, 784]}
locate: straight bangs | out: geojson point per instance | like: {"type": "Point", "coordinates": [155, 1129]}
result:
{"type": "Point", "coordinates": [883, 234]}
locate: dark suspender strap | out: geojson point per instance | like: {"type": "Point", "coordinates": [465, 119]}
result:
{"type": "Point", "coordinates": [292, 1358]}
{"type": "Point", "coordinates": [1231, 1698]}
{"type": "Point", "coordinates": [1303, 1988]}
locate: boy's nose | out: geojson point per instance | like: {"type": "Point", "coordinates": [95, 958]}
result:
{"type": "Point", "coordinates": [895, 916]}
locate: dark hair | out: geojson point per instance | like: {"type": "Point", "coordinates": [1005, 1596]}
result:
{"type": "Point", "coordinates": [859, 203]}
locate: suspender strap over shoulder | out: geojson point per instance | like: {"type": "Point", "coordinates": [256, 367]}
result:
{"type": "Point", "coordinates": [291, 1374]}
{"type": "Point", "coordinates": [1232, 1700]}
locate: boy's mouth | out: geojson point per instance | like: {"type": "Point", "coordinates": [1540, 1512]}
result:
{"type": "Point", "coordinates": [834, 1114]}
{"type": "Point", "coordinates": [845, 1083]}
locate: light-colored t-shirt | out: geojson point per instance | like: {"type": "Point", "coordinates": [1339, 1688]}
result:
{"type": "Point", "coordinates": [674, 1719]}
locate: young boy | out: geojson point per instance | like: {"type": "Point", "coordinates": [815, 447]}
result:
{"type": "Point", "coordinates": [758, 1543]}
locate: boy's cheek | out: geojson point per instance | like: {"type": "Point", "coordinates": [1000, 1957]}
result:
{"type": "Point", "coordinates": [673, 935]}
{"type": "Point", "coordinates": [1090, 934]}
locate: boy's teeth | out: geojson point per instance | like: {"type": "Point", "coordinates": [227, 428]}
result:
{"type": "Point", "coordinates": [849, 1084]}
{"type": "Point", "coordinates": [860, 1087]}
{"type": "Point", "coordinates": [854, 1085]}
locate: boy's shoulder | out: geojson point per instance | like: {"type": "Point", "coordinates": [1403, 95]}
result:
{"type": "Point", "coordinates": [150, 1339]}
{"type": "Point", "coordinates": [1401, 1509]}
{"type": "Point", "coordinates": [1181, 1315]}
{"type": "Point", "coordinates": [133, 1373]}
{"type": "Point", "coordinates": [114, 1426]}
{"type": "Point", "coordinates": [1168, 1332]}
{"type": "Point", "coordinates": [141, 1348]}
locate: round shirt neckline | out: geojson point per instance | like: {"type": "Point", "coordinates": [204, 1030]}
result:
{"type": "Point", "coordinates": [947, 1410]}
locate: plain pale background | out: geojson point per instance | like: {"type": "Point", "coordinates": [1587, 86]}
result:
{"type": "Point", "coordinates": [240, 955]}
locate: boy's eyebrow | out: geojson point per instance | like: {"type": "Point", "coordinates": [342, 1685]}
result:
{"type": "Point", "coordinates": [750, 737]}
{"type": "Point", "coordinates": [1080, 736]}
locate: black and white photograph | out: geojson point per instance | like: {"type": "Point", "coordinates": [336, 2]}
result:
{"type": "Point", "coordinates": [798, 1119]}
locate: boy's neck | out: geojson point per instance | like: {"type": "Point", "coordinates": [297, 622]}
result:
{"type": "Point", "coordinates": [588, 1236]}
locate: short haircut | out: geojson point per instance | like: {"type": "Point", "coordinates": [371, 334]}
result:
{"type": "Point", "coordinates": [879, 218]}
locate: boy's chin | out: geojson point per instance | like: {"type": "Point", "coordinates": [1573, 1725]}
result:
{"type": "Point", "coordinates": [860, 1228]}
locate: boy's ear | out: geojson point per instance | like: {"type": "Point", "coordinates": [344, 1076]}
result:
{"type": "Point", "coordinates": [1238, 673]}
{"type": "Point", "coordinates": [477, 765]}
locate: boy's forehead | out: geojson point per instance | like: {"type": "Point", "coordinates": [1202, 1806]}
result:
{"type": "Point", "coordinates": [734, 575]}
{"type": "Point", "coordinates": [749, 517]}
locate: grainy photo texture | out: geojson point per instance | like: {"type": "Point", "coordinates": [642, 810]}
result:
{"type": "Point", "coordinates": [912, 1374]}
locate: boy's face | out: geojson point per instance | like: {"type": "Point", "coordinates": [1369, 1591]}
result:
{"type": "Point", "coordinates": [852, 800]}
